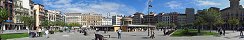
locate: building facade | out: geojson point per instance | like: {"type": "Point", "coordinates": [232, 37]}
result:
{"type": "Point", "coordinates": [85, 19]}
{"type": "Point", "coordinates": [234, 11]}
{"type": "Point", "coordinates": [137, 18]}
{"type": "Point", "coordinates": [73, 18]}
{"type": "Point", "coordinates": [116, 20]}
{"type": "Point", "coordinates": [127, 20]}
{"type": "Point", "coordinates": [182, 19]}
{"type": "Point", "coordinates": [9, 6]}
{"type": "Point", "coordinates": [190, 14]}
{"type": "Point", "coordinates": [91, 19]}
{"type": "Point", "coordinates": [150, 18]}
{"type": "Point", "coordinates": [16, 8]}
{"type": "Point", "coordinates": [54, 15]}
{"type": "Point", "coordinates": [40, 14]}
{"type": "Point", "coordinates": [106, 21]}
{"type": "Point", "coordinates": [173, 17]}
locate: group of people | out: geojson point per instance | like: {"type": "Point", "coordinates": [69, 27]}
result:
{"type": "Point", "coordinates": [38, 33]}
{"type": "Point", "coordinates": [83, 31]}
{"type": "Point", "coordinates": [99, 36]}
{"type": "Point", "coordinates": [221, 31]}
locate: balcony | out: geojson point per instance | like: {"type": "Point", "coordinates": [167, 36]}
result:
{"type": "Point", "coordinates": [21, 10]}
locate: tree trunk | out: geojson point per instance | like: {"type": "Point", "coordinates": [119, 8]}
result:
{"type": "Point", "coordinates": [233, 28]}
{"type": "Point", "coordinates": [224, 28]}
{"type": "Point", "coordinates": [198, 29]}
{"type": "Point", "coordinates": [211, 28]}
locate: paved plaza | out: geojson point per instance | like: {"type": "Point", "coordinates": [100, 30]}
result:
{"type": "Point", "coordinates": [132, 36]}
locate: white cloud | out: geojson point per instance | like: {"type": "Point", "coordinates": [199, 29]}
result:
{"type": "Point", "coordinates": [207, 3]}
{"type": "Point", "coordinates": [86, 6]}
{"type": "Point", "coordinates": [174, 4]}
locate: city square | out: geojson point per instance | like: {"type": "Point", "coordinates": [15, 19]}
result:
{"type": "Point", "coordinates": [132, 36]}
{"type": "Point", "coordinates": [121, 19]}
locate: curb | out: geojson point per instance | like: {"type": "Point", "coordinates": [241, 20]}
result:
{"type": "Point", "coordinates": [172, 33]}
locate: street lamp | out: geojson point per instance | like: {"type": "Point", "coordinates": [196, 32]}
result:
{"type": "Point", "coordinates": [148, 9]}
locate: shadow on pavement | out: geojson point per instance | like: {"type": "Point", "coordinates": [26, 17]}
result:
{"type": "Point", "coordinates": [137, 35]}
{"type": "Point", "coordinates": [241, 37]}
{"type": "Point", "coordinates": [227, 37]}
{"type": "Point", "coordinates": [145, 37]}
{"type": "Point", "coordinates": [111, 37]}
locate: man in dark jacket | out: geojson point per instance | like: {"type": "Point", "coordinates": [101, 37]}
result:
{"type": "Point", "coordinates": [241, 29]}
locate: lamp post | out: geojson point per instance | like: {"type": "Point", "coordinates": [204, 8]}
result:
{"type": "Point", "coordinates": [148, 9]}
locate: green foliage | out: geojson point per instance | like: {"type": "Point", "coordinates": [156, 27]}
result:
{"type": "Point", "coordinates": [3, 14]}
{"type": "Point", "coordinates": [161, 24]}
{"type": "Point", "coordinates": [73, 24]}
{"type": "Point", "coordinates": [219, 21]}
{"type": "Point", "coordinates": [233, 21]}
{"type": "Point", "coordinates": [60, 23]}
{"type": "Point", "coordinates": [172, 25]}
{"type": "Point", "coordinates": [192, 32]}
{"type": "Point", "coordinates": [28, 20]}
{"type": "Point", "coordinates": [14, 35]}
{"type": "Point", "coordinates": [164, 24]}
{"type": "Point", "coordinates": [211, 16]}
{"type": "Point", "coordinates": [46, 23]}
{"type": "Point", "coordinates": [199, 21]}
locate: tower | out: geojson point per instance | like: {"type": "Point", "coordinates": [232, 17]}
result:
{"type": "Point", "coordinates": [234, 3]}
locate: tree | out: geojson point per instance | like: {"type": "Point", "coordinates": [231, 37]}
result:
{"type": "Point", "coordinates": [172, 25]}
{"type": "Point", "coordinates": [46, 23]}
{"type": "Point", "coordinates": [233, 22]}
{"type": "Point", "coordinates": [3, 16]}
{"type": "Point", "coordinates": [59, 23]}
{"type": "Point", "coordinates": [211, 16]}
{"type": "Point", "coordinates": [28, 21]}
{"type": "Point", "coordinates": [73, 24]}
{"type": "Point", "coordinates": [199, 22]}
{"type": "Point", "coordinates": [161, 25]}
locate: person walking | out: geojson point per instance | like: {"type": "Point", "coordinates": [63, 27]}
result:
{"type": "Point", "coordinates": [119, 33]}
{"type": "Point", "coordinates": [96, 35]}
{"type": "Point", "coordinates": [241, 31]}
{"type": "Point", "coordinates": [46, 33]}
{"type": "Point", "coordinates": [221, 31]}
{"type": "Point", "coordinates": [85, 33]}
{"type": "Point", "coordinates": [152, 36]}
{"type": "Point", "coordinates": [39, 32]}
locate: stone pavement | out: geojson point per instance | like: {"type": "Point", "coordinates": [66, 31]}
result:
{"type": "Point", "coordinates": [132, 36]}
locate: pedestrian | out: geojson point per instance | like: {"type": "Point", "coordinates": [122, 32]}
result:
{"type": "Point", "coordinates": [85, 33]}
{"type": "Point", "coordinates": [80, 31]}
{"type": "Point", "coordinates": [152, 36]}
{"type": "Point", "coordinates": [241, 29]}
{"type": "Point", "coordinates": [221, 31]}
{"type": "Point", "coordinates": [39, 33]}
{"type": "Point", "coordinates": [46, 33]}
{"type": "Point", "coordinates": [119, 33]}
{"type": "Point", "coordinates": [96, 35]}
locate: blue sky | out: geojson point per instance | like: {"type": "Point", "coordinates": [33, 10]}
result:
{"type": "Point", "coordinates": [129, 7]}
